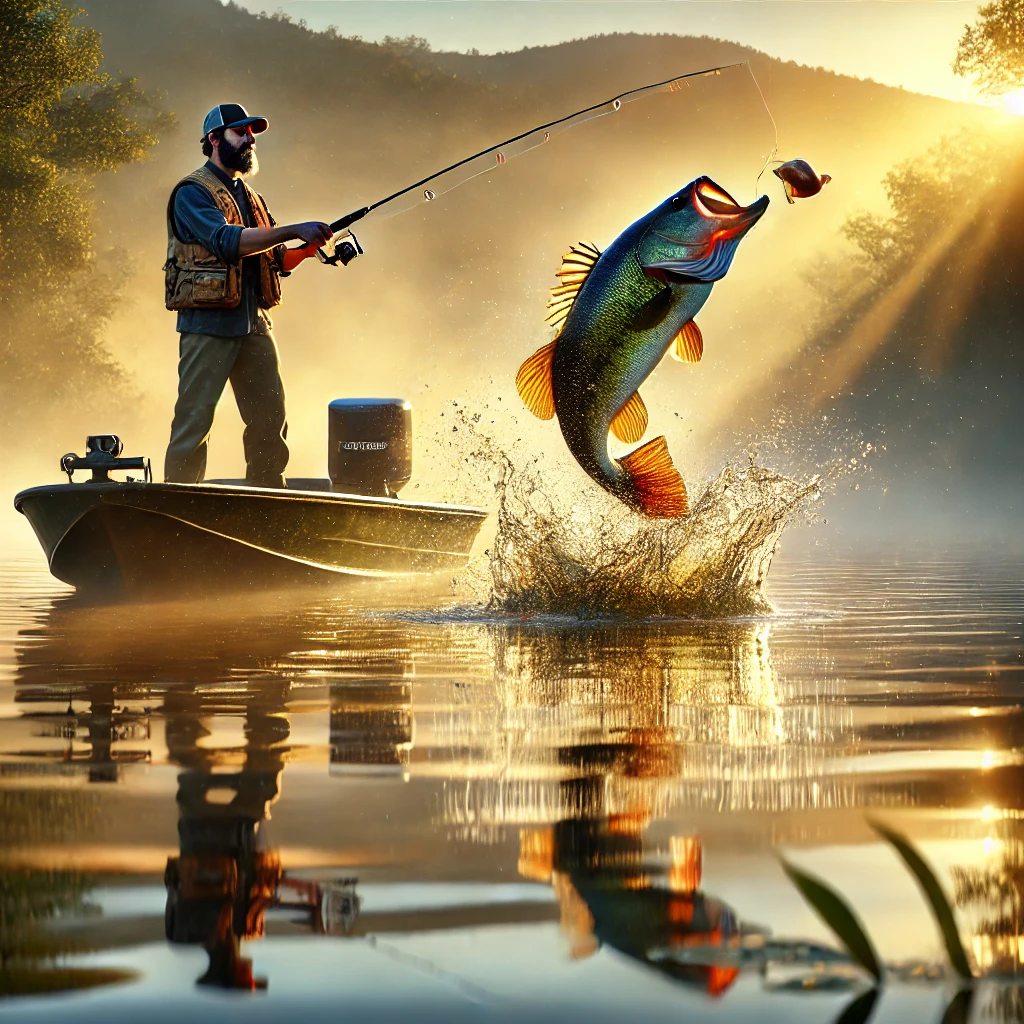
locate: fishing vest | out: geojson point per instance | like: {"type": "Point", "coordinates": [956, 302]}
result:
{"type": "Point", "coordinates": [195, 278]}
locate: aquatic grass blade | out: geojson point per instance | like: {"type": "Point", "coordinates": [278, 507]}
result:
{"type": "Point", "coordinates": [860, 1009]}
{"type": "Point", "coordinates": [959, 1009]}
{"type": "Point", "coordinates": [835, 912]}
{"type": "Point", "coordinates": [933, 893]}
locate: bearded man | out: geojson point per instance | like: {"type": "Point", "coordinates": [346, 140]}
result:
{"type": "Point", "coordinates": [225, 258]}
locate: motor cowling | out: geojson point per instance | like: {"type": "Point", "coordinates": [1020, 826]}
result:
{"type": "Point", "coordinates": [370, 445]}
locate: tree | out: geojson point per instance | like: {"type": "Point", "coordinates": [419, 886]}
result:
{"type": "Point", "coordinates": [62, 121]}
{"type": "Point", "coordinates": [992, 49]}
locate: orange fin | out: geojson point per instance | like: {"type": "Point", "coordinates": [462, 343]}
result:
{"type": "Point", "coordinates": [576, 266]}
{"type": "Point", "coordinates": [630, 423]}
{"type": "Point", "coordinates": [658, 489]}
{"type": "Point", "coordinates": [689, 344]}
{"type": "Point", "coordinates": [533, 382]}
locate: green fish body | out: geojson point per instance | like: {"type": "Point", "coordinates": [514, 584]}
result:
{"type": "Point", "coordinates": [622, 311]}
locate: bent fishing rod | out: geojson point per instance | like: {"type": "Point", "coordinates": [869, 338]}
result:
{"type": "Point", "coordinates": [344, 247]}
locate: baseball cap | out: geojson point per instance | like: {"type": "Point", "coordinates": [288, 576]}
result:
{"type": "Point", "coordinates": [233, 115]}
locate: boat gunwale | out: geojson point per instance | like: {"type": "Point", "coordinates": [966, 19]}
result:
{"type": "Point", "coordinates": [101, 488]}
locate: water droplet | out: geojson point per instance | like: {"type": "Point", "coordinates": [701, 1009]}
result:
{"type": "Point", "coordinates": [427, 194]}
{"type": "Point", "coordinates": [500, 157]}
{"type": "Point", "coordinates": [547, 136]}
{"type": "Point", "coordinates": [617, 104]}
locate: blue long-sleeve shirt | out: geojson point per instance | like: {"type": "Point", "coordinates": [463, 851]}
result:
{"type": "Point", "coordinates": [197, 218]}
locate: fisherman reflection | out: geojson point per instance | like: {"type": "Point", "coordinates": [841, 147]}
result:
{"type": "Point", "coordinates": [614, 889]}
{"type": "Point", "coordinates": [222, 885]}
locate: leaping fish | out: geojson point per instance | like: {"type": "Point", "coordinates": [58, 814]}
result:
{"type": "Point", "coordinates": [617, 314]}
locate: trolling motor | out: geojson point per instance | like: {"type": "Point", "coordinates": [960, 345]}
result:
{"type": "Point", "coordinates": [102, 454]}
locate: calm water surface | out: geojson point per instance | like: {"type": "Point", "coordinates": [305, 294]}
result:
{"type": "Point", "coordinates": [294, 806]}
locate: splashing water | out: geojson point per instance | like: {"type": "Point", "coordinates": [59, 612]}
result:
{"type": "Point", "coordinates": [559, 552]}
{"type": "Point", "coordinates": [712, 564]}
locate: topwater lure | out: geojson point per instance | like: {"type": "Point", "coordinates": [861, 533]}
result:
{"type": "Point", "coordinates": [800, 180]}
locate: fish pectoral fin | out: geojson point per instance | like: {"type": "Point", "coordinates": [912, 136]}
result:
{"type": "Point", "coordinates": [656, 487]}
{"type": "Point", "coordinates": [630, 422]}
{"type": "Point", "coordinates": [576, 266]}
{"type": "Point", "coordinates": [533, 382]}
{"type": "Point", "coordinates": [689, 344]}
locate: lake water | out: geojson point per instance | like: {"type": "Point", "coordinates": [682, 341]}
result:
{"type": "Point", "coordinates": [360, 807]}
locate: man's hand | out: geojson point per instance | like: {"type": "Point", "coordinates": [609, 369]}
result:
{"type": "Point", "coordinates": [253, 240]}
{"type": "Point", "coordinates": [293, 257]}
{"type": "Point", "coordinates": [313, 232]}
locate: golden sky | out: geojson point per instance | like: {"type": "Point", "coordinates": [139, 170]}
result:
{"type": "Point", "coordinates": [908, 43]}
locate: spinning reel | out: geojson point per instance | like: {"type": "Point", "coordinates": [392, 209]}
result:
{"type": "Point", "coordinates": [343, 248]}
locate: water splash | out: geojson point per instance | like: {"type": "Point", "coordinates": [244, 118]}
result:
{"type": "Point", "coordinates": [588, 563]}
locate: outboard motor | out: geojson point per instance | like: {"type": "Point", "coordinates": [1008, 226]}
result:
{"type": "Point", "coordinates": [370, 445]}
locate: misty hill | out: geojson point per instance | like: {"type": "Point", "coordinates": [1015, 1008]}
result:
{"type": "Point", "coordinates": [449, 298]}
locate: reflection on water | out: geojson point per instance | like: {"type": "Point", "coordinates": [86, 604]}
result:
{"type": "Point", "coordinates": [316, 799]}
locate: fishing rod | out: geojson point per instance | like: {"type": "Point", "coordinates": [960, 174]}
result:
{"type": "Point", "coordinates": [344, 247]}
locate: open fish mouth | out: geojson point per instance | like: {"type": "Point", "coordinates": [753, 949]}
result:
{"type": "Point", "coordinates": [708, 259]}
{"type": "Point", "coordinates": [715, 201]}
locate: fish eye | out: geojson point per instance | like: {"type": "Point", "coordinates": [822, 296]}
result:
{"type": "Point", "coordinates": [679, 201]}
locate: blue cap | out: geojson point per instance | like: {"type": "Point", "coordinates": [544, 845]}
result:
{"type": "Point", "coordinates": [233, 115]}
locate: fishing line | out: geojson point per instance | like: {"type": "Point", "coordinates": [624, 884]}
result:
{"type": "Point", "coordinates": [775, 149]}
{"type": "Point", "coordinates": [495, 156]}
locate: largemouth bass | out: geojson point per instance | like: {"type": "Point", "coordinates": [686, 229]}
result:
{"type": "Point", "coordinates": [618, 313]}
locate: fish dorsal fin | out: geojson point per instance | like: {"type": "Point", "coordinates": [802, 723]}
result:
{"type": "Point", "coordinates": [576, 266]}
{"type": "Point", "coordinates": [533, 382]}
{"type": "Point", "coordinates": [630, 423]}
{"type": "Point", "coordinates": [689, 344]}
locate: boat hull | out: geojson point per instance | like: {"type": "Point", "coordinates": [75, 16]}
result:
{"type": "Point", "coordinates": [140, 537]}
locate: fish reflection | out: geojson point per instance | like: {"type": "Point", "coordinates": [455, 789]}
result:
{"type": "Point", "coordinates": [611, 894]}
{"type": "Point", "coordinates": [223, 883]}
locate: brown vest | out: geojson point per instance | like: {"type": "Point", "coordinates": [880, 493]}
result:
{"type": "Point", "coordinates": [197, 279]}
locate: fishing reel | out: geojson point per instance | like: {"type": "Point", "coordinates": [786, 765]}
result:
{"type": "Point", "coordinates": [343, 248]}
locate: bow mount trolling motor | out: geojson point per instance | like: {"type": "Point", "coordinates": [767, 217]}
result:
{"type": "Point", "coordinates": [102, 454]}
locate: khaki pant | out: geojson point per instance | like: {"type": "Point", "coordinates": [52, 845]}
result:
{"type": "Point", "coordinates": [206, 364]}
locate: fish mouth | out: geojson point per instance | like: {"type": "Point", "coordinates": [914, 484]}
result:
{"type": "Point", "coordinates": [709, 261]}
{"type": "Point", "coordinates": [711, 200]}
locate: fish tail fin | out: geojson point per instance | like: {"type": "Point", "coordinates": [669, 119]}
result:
{"type": "Point", "coordinates": [655, 485]}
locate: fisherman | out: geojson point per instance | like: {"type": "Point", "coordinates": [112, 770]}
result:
{"type": "Point", "coordinates": [225, 258]}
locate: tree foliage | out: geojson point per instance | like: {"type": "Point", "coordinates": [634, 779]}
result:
{"type": "Point", "coordinates": [62, 120]}
{"type": "Point", "coordinates": [925, 194]}
{"type": "Point", "coordinates": [992, 49]}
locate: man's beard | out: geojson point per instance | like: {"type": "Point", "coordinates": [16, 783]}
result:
{"type": "Point", "coordinates": [242, 158]}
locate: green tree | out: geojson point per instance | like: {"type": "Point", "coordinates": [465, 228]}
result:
{"type": "Point", "coordinates": [62, 121]}
{"type": "Point", "coordinates": [950, 180]}
{"type": "Point", "coordinates": [992, 49]}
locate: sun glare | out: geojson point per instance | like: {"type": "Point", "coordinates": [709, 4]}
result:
{"type": "Point", "coordinates": [1013, 103]}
